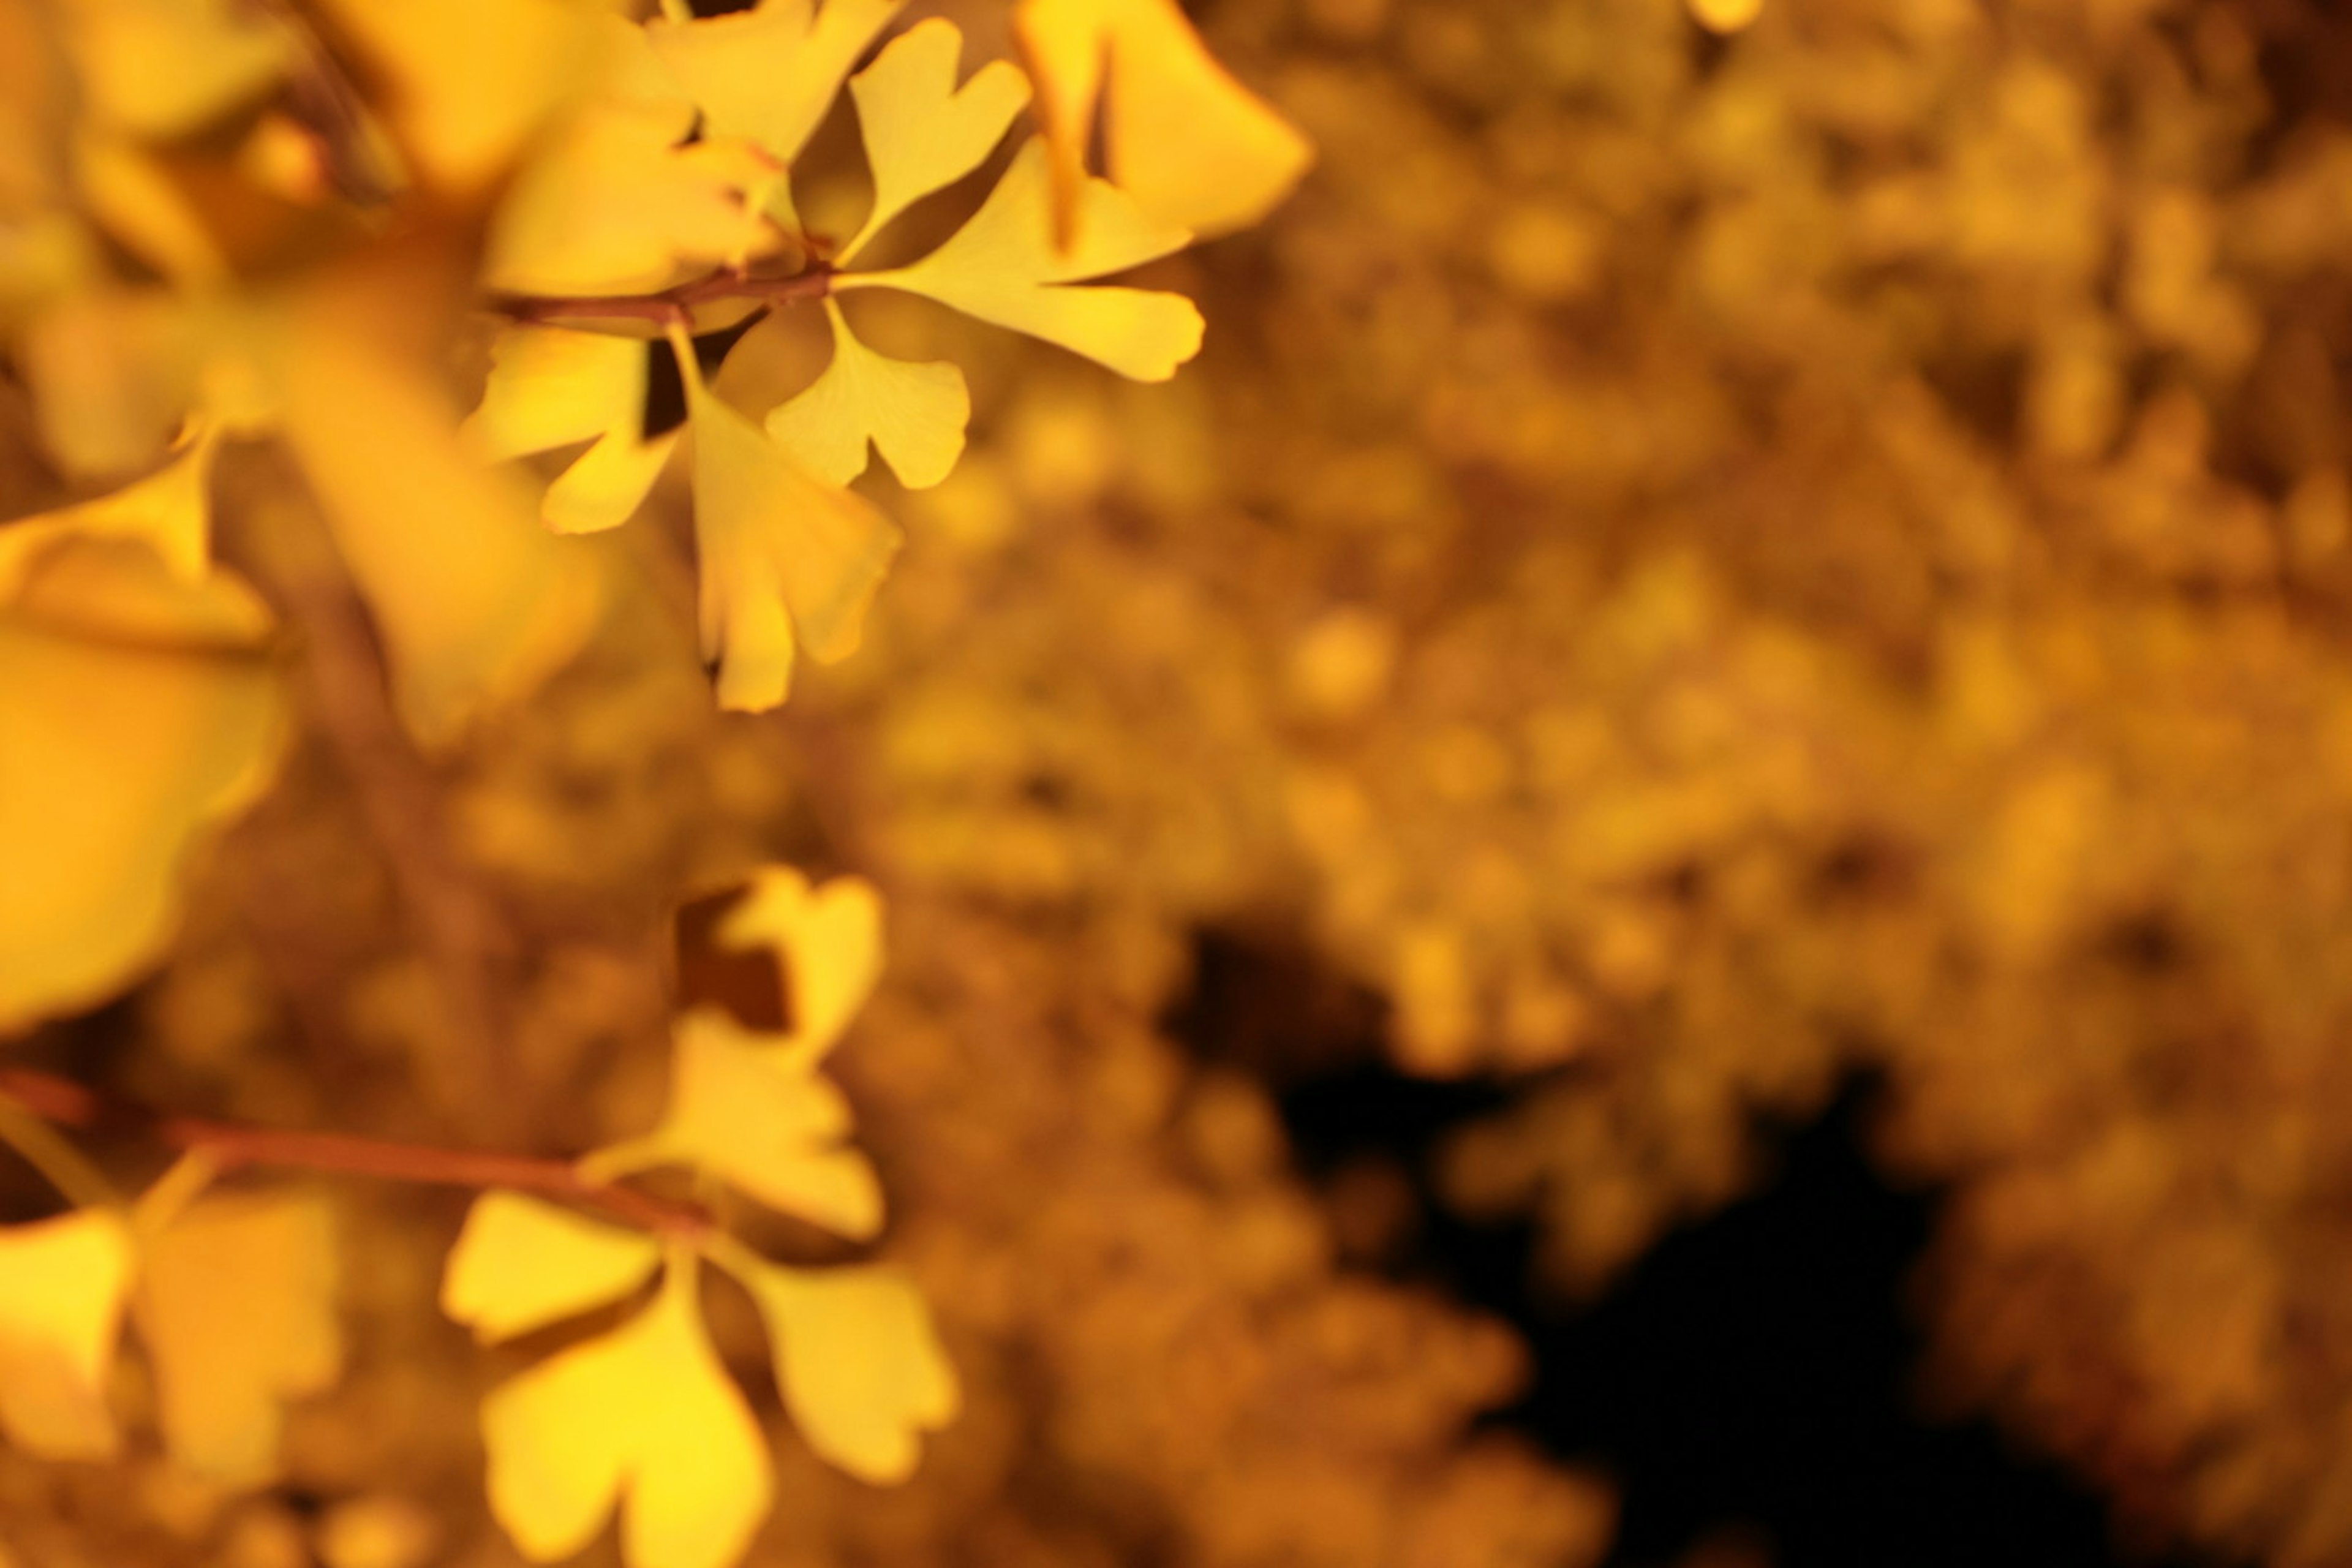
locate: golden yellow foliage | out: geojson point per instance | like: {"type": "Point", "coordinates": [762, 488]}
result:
{"type": "Point", "coordinates": [643, 1419]}
{"type": "Point", "coordinates": [67, 1281]}
{"type": "Point", "coordinates": [237, 1306]}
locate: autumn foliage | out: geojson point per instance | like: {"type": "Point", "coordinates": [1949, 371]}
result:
{"type": "Point", "coordinates": [638, 650]}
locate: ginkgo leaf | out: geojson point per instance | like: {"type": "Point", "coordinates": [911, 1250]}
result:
{"type": "Point", "coordinates": [618, 201]}
{"type": "Point", "coordinates": [770, 73]}
{"type": "Point", "coordinates": [521, 1264]}
{"type": "Point", "coordinates": [236, 1307]}
{"type": "Point", "coordinates": [762, 1118]}
{"type": "Point", "coordinates": [461, 113]}
{"type": "Point", "coordinates": [162, 68]}
{"type": "Point", "coordinates": [549, 387]}
{"type": "Point", "coordinates": [857, 1363]}
{"type": "Point", "coordinates": [922, 131]}
{"type": "Point", "coordinates": [60, 1316]}
{"type": "Point", "coordinates": [476, 602]}
{"type": "Point", "coordinates": [170, 511]}
{"type": "Point", "coordinates": [1003, 268]}
{"type": "Point", "coordinates": [1190, 143]}
{"type": "Point", "coordinates": [913, 414]}
{"type": "Point", "coordinates": [646, 1413]}
{"type": "Point", "coordinates": [136, 709]}
{"type": "Point", "coordinates": [784, 556]}
{"type": "Point", "coordinates": [829, 942]}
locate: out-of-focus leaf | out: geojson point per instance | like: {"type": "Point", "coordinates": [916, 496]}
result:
{"type": "Point", "coordinates": [859, 1363]}
{"type": "Point", "coordinates": [521, 1264]}
{"type": "Point", "coordinates": [136, 706]}
{"type": "Point", "coordinates": [1003, 268]}
{"type": "Point", "coordinates": [646, 1412]}
{"type": "Point", "coordinates": [461, 110]}
{"type": "Point", "coordinates": [744, 1108]}
{"type": "Point", "coordinates": [770, 73]}
{"type": "Point", "coordinates": [828, 942]}
{"type": "Point", "coordinates": [550, 387]}
{"type": "Point", "coordinates": [59, 1318]}
{"type": "Point", "coordinates": [163, 68]}
{"type": "Point", "coordinates": [236, 1307]}
{"type": "Point", "coordinates": [913, 414]}
{"type": "Point", "coordinates": [785, 557]}
{"type": "Point", "coordinates": [1193, 147]}
{"type": "Point", "coordinates": [113, 372]}
{"type": "Point", "coordinates": [922, 131]}
{"type": "Point", "coordinates": [476, 601]}
{"type": "Point", "coordinates": [618, 201]}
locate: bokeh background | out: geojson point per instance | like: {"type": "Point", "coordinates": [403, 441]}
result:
{"type": "Point", "coordinates": [1660, 873]}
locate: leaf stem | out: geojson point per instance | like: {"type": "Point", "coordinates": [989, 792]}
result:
{"type": "Point", "coordinates": [668, 304]}
{"type": "Point", "coordinates": [60, 1164]}
{"type": "Point", "coordinates": [229, 1144]}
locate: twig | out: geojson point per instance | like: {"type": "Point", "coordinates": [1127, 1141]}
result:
{"type": "Point", "coordinates": [670, 304]}
{"type": "Point", "coordinates": [230, 1144]}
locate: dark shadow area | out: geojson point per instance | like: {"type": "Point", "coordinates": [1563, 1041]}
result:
{"type": "Point", "coordinates": [1750, 1374]}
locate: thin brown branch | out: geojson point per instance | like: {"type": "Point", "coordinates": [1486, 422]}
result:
{"type": "Point", "coordinates": [234, 1143]}
{"type": "Point", "coordinates": [670, 304]}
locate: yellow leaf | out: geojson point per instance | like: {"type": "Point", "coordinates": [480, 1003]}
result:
{"type": "Point", "coordinates": [161, 68]}
{"type": "Point", "coordinates": [614, 204]}
{"type": "Point", "coordinates": [828, 940]}
{"type": "Point", "coordinates": [477, 603]}
{"type": "Point", "coordinates": [170, 511]}
{"type": "Point", "coordinates": [922, 132]}
{"type": "Point", "coordinates": [913, 414]}
{"type": "Point", "coordinates": [785, 557]}
{"type": "Point", "coordinates": [237, 1306]}
{"type": "Point", "coordinates": [770, 73]}
{"type": "Point", "coordinates": [521, 1264]}
{"type": "Point", "coordinates": [859, 1363]}
{"type": "Point", "coordinates": [548, 388]}
{"type": "Point", "coordinates": [113, 372]}
{"type": "Point", "coordinates": [461, 110]}
{"type": "Point", "coordinates": [62, 1283]}
{"type": "Point", "coordinates": [1002, 268]}
{"type": "Point", "coordinates": [645, 1412]}
{"type": "Point", "coordinates": [1190, 143]}
{"type": "Point", "coordinates": [136, 708]}
{"type": "Point", "coordinates": [744, 1108]}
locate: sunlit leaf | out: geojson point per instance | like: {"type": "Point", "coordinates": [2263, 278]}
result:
{"type": "Point", "coordinates": [829, 942]}
{"type": "Point", "coordinates": [237, 1305]}
{"type": "Point", "coordinates": [60, 1315]}
{"type": "Point", "coordinates": [785, 557]}
{"type": "Point", "coordinates": [1002, 268]}
{"type": "Point", "coordinates": [744, 1108]}
{"type": "Point", "coordinates": [521, 1264]}
{"type": "Point", "coordinates": [136, 708]}
{"type": "Point", "coordinates": [550, 387]}
{"type": "Point", "coordinates": [770, 73]}
{"type": "Point", "coordinates": [922, 131]}
{"type": "Point", "coordinates": [1191, 144]}
{"type": "Point", "coordinates": [859, 1363]}
{"type": "Point", "coordinates": [646, 1413]}
{"type": "Point", "coordinates": [913, 414]}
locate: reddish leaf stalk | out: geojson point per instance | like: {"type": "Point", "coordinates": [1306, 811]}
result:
{"type": "Point", "coordinates": [234, 1143]}
{"type": "Point", "coordinates": [670, 304]}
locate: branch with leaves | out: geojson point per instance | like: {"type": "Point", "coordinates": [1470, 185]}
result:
{"type": "Point", "coordinates": [274, 227]}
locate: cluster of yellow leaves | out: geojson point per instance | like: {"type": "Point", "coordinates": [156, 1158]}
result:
{"type": "Point", "coordinates": [645, 1412]}
{"type": "Point", "coordinates": [624, 206]}
{"type": "Point", "coordinates": [232, 1296]}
